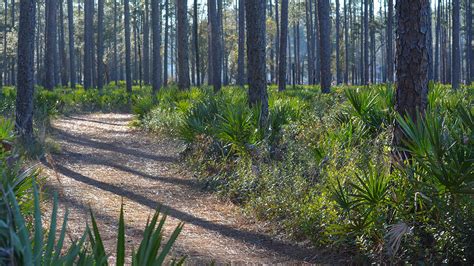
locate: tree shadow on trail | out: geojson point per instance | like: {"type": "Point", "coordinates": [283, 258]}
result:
{"type": "Point", "coordinates": [259, 240]}
{"type": "Point", "coordinates": [111, 147]}
{"type": "Point", "coordinates": [98, 121]}
{"type": "Point", "coordinates": [108, 162]}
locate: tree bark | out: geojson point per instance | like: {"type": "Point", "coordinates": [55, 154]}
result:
{"type": "Point", "coordinates": [25, 76]}
{"type": "Point", "coordinates": [412, 62]}
{"type": "Point", "coordinates": [165, 52]}
{"type": "Point", "coordinates": [309, 40]}
{"type": "Point", "coordinates": [62, 46]}
{"type": "Point", "coordinates": [128, 70]}
{"type": "Point", "coordinates": [338, 59]}
{"type": "Point", "coordinates": [346, 44]}
{"type": "Point", "coordinates": [115, 60]}
{"type": "Point", "coordinates": [88, 46]}
{"type": "Point", "coordinates": [469, 50]}
{"type": "Point", "coordinates": [325, 45]}
{"type": "Point", "coordinates": [196, 43]}
{"type": "Point", "coordinates": [241, 45]}
{"type": "Point", "coordinates": [156, 27]}
{"type": "Point", "coordinates": [146, 44]}
{"type": "Point", "coordinates": [256, 27]}
{"type": "Point", "coordinates": [456, 51]}
{"type": "Point", "coordinates": [437, 43]}
{"type": "Point", "coordinates": [51, 42]}
{"type": "Point", "coordinates": [317, 48]}
{"type": "Point", "coordinates": [214, 56]}
{"type": "Point", "coordinates": [366, 42]}
{"type": "Point", "coordinates": [283, 45]}
{"type": "Point", "coordinates": [72, 52]}
{"type": "Point", "coordinates": [372, 42]}
{"type": "Point", "coordinates": [183, 56]}
{"type": "Point", "coordinates": [100, 45]}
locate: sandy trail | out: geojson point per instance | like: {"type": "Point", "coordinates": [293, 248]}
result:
{"type": "Point", "coordinates": [103, 160]}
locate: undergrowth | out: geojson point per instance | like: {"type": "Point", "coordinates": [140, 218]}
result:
{"type": "Point", "coordinates": [321, 168]}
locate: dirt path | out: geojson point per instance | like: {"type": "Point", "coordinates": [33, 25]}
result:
{"type": "Point", "coordinates": [103, 160]}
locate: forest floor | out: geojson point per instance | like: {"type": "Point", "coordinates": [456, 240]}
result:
{"type": "Point", "coordinates": [102, 160]}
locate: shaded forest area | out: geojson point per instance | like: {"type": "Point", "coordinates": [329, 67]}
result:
{"type": "Point", "coordinates": [344, 126]}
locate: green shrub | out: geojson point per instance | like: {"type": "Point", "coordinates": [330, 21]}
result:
{"type": "Point", "coordinates": [18, 246]}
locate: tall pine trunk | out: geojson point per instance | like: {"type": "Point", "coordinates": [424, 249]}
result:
{"type": "Point", "coordinates": [182, 35]}
{"type": "Point", "coordinates": [166, 48]}
{"type": "Point", "coordinates": [25, 76]}
{"type": "Point", "coordinates": [437, 43]}
{"type": "Point", "coordinates": [256, 28]}
{"type": "Point", "coordinates": [100, 45]}
{"type": "Point", "coordinates": [338, 59]}
{"type": "Point", "coordinates": [325, 44]}
{"type": "Point", "coordinates": [128, 70]}
{"type": "Point", "coordinates": [283, 44]}
{"type": "Point", "coordinates": [309, 40]}
{"type": "Point", "coordinates": [366, 42]}
{"type": "Point", "coordinates": [72, 52]}
{"type": "Point", "coordinates": [346, 45]}
{"type": "Point", "coordinates": [456, 51]}
{"type": "Point", "coordinates": [62, 46]}
{"type": "Point", "coordinates": [156, 28]}
{"type": "Point", "coordinates": [469, 51]}
{"type": "Point", "coordinates": [412, 62]}
{"type": "Point", "coordinates": [196, 43]}
{"type": "Point", "coordinates": [317, 48]}
{"type": "Point", "coordinates": [51, 44]}
{"type": "Point", "coordinates": [88, 46]}
{"type": "Point", "coordinates": [115, 60]}
{"type": "Point", "coordinates": [214, 56]}
{"type": "Point", "coordinates": [146, 44]}
{"type": "Point", "coordinates": [241, 45]}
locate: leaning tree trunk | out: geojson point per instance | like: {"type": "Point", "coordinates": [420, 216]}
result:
{"type": "Point", "coordinates": [128, 70]}
{"type": "Point", "coordinates": [456, 51]}
{"type": "Point", "coordinates": [156, 28]}
{"type": "Point", "coordinates": [25, 76]}
{"type": "Point", "coordinates": [255, 12]}
{"type": "Point", "coordinates": [51, 44]}
{"type": "Point", "coordinates": [182, 35]}
{"type": "Point", "coordinates": [72, 54]}
{"type": "Point", "coordinates": [100, 45]}
{"type": "Point", "coordinates": [412, 62]}
{"type": "Point", "coordinates": [241, 45]}
{"type": "Point", "coordinates": [283, 44]}
{"type": "Point", "coordinates": [325, 44]}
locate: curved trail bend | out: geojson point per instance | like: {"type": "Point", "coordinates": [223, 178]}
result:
{"type": "Point", "coordinates": [103, 160]}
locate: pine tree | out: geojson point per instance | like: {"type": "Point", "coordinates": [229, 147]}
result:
{"type": "Point", "coordinates": [256, 28]}
{"type": "Point", "coordinates": [25, 76]}
{"type": "Point", "coordinates": [283, 45]}
{"type": "Point", "coordinates": [412, 63]}
{"type": "Point", "coordinates": [182, 35]}
{"type": "Point", "coordinates": [325, 45]}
